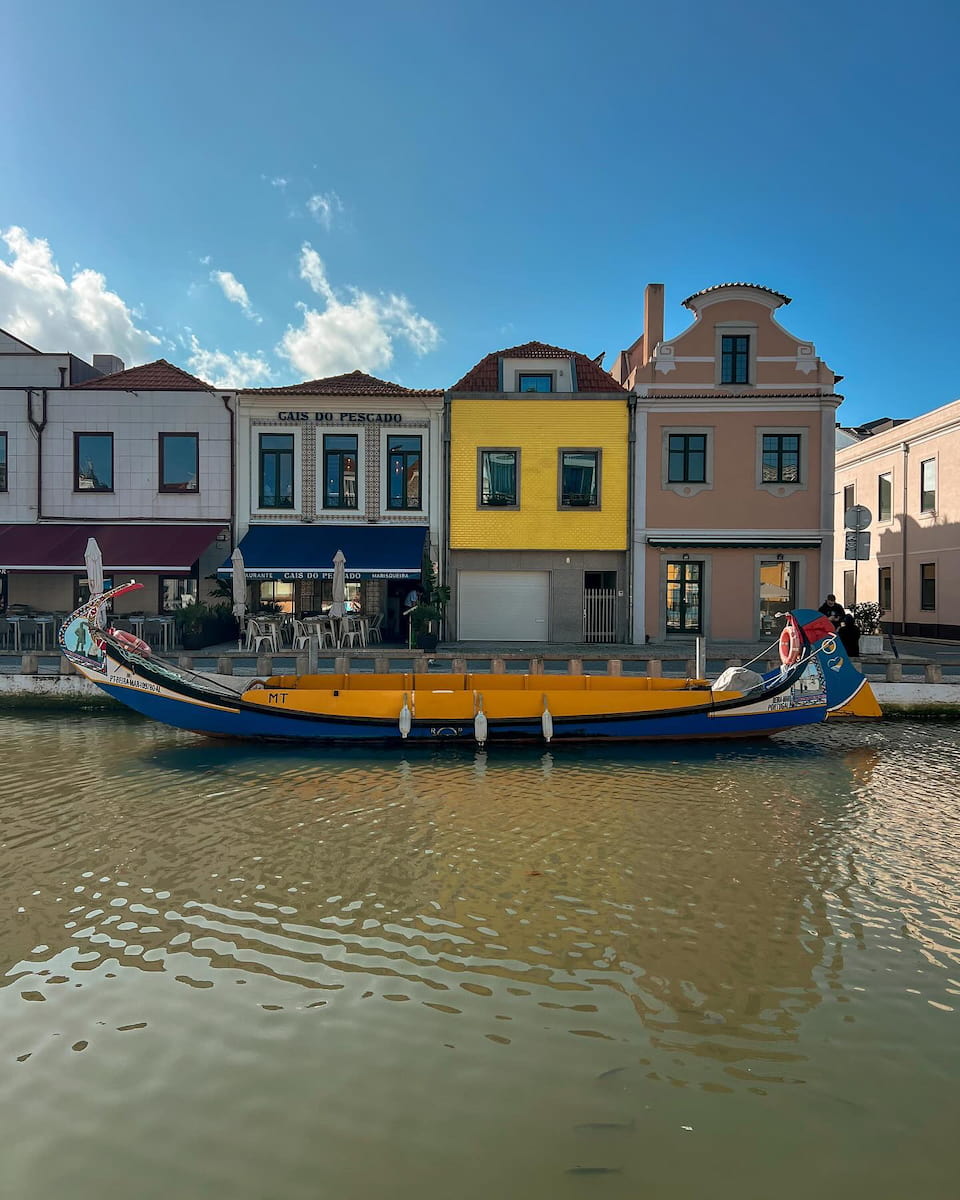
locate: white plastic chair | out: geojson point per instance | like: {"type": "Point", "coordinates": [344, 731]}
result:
{"type": "Point", "coordinates": [301, 635]}
{"type": "Point", "coordinates": [351, 633]}
{"type": "Point", "coordinates": [258, 635]}
{"type": "Point", "coordinates": [373, 629]}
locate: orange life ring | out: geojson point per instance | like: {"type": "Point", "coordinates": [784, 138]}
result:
{"type": "Point", "coordinates": [131, 641]}
{"type": "Point", "coordinates": [789, 643]}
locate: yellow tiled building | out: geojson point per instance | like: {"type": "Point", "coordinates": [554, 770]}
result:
{"type": "Point", "coordinates": [539, 495]}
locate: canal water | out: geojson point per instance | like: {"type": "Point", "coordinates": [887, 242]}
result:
{"type": "Point", "coordinates": [271, 975]}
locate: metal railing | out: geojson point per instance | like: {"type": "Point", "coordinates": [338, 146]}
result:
{"type": "Point", "coordinates": [33, 663]}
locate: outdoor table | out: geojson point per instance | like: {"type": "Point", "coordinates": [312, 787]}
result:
{"type": "Point", "coordinates": [166, 622]}
{"type": "Point", "coordinates": [46, 627]}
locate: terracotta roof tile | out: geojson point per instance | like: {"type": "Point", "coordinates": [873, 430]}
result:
{"type": "Point", "coordinates": [485, 376]}
{"type": "Point", "coordinates": [718, 286]}
{"type": "Point", "coordinates": [159, 376]}
{"type": "Point", "coordinates": [356, 383]}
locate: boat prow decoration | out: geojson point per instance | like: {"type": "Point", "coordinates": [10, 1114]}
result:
{"type": "Point", "coordinates": [816, 680]}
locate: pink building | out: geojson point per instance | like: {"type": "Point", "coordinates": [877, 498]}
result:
{"type": "Point", "coordinates": [905, 473]}
{"type": "Point", "coordinates": [734, 455]}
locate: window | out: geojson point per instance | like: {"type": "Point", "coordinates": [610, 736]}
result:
{"type": "Point", "coordinates": [778, 592]}
{"type": "Point", "coordinates": [849, 589]}
{"type": "Point", "coordinates": [179, 462]}
{"type": "Point", "coordinates": [176, 591]}
{"type": "Point", "coordinates": [884, 497]}
{"type": "Point", "coordinates": [93, 462]}
{"type": "Point", "coordinates": [81, 588]}
{"type": "Point", "coordinates": [848, 497]}
{"type": "Point", "coordinates": [276, 596]}
{"type": "Point", "coordinates": [404, 460]}
{"type": "Point", "coordinates": [3, 462]}
{"type": "Point", "coordinates": [276, 470]}
{"type": "Point", "coordinates": [340, 470]}
{"type": "Point", "coordinates": [735, 358]}
{"type": "Point", "coordinates": [885, 588]}
{"type": "Point", "coordinates": [928, 586]}
{"type": "Point", "coordinates": [687, 458]}
{"type": "Point", "coordinates": [579, 478]}
{"type": "Point", "coordinates": [683, 597]}
{"type": "Point", "coordinates": [499, 476]}
{"type": "Point", "coordinates": [534, 383]}
{"type": "Point", "coordinates": [928, 485]}
{"type": "Point", "coordinates": [781, 458]}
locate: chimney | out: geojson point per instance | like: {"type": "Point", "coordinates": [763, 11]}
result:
{"type": "Point", "coordinates": [652, 319]}
{"type": "Point", "coordinates": [107, 364]}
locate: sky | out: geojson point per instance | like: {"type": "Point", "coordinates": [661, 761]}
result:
{"type": "Point", "coordinates": [269, 193]}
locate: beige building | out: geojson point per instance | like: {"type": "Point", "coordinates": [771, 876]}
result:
{"type": "Point", "coordinates": [903, 472]}
{"type": "Point", "coordinates": [733, 467]}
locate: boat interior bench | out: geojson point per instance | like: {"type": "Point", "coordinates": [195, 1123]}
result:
{"type": "Point", "coordinates": [411, 682]}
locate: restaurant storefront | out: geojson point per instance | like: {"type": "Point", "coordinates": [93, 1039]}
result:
{"type": "Point", "coordinates": [292, 568]}
{"type": "Point", "coordinates": [42, 566]}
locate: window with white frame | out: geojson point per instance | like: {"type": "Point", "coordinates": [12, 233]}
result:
{"type": "Point", "coordinates": [928, 485]}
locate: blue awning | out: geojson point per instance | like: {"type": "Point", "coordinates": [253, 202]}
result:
{"type": "Point", "coordinates": [291, 552]}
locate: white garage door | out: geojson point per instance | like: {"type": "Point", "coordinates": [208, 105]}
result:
{"type": "Point", "coordinates": [503, 606]}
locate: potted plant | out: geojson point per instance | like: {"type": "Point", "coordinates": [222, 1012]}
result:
{"type": "Point", "coordinates": [200, 625]}
{"type": "Point", "coordinates": [428, 614]}
{"type": "Point", "coordinates": [421, 620]}
{"type": "Point", "coordinates": [867, 616]}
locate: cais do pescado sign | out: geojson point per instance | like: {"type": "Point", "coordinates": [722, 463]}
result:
{"type": "Point", "coordinates": [343, 418]}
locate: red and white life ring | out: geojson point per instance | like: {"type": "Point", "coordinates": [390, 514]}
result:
{"type": "Point", "coordinates": [131, 641]}
{"type": "Point", "coordinates": [790, 643]}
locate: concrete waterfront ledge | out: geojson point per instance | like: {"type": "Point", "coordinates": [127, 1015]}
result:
{"type": "Point", "coordinates": [33, 687]}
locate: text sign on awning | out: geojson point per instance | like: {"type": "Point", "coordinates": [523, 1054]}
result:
{"type": "Point", "coordinates": [257, 575]}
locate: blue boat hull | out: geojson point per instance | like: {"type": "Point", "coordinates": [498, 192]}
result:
{"type": "Point", "coordinates": [253, 722]}
{"type": "Point", "coordinates": [821, 682]}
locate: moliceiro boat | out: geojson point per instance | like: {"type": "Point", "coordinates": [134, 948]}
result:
{"type": "Point", "coordinates": [816, 681]}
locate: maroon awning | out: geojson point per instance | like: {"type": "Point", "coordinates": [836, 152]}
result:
{"type": "Point", "coordinates": [161, 549]}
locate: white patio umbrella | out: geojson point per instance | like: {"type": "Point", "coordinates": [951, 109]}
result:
{"type": "Point", "coordinates": [93, 561]}
{"type": "Point", "coordinates": [239, 586]}
{"type": "Point", "coordinates": [338, 607]}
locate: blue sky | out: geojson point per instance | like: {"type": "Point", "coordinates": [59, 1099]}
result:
{"type": "Point", "coordinates": [275, 192]}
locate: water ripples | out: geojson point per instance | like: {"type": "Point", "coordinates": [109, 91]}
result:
{"type": "Point", "coordinates": [614, 938]}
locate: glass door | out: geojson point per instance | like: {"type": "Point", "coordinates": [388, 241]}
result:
{"type": "Point", "coordinates": [684, 598]}
{"type": "Point", "coordinates": [778, 593]}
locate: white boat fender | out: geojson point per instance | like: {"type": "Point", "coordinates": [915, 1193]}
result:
{"type": "Point", "coordinates": [480, 723]}
{"type": "Point", "coordinates": [406, 717]}
{"type": "Point", "coordinates": [546, 721]}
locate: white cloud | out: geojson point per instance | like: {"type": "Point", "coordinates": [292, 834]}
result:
{"type": "Point", "coordinates": [39, 305]}
{"type": "Point", "coordinates": [227, 370]}
{"type": "Point", "coordinates": [279, 182]}
{"type": "Point", "coordinates": [325, 207]}
{"type": "Point", "coordinates": [235, 292]}
{"type": "Point", "coordinates": [205, 261]}
{"type": "Point", "coordinates": [359, 334]}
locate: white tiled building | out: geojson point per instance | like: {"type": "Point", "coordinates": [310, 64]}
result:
{"type": "Point", "coordinates": [139, 459]}
{"type": "Point", "coordinates": [349, 463]}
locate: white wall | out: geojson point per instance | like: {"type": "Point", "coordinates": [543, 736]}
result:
{"type": "Point", "coordinates": [136, 420]}
{"type": "Point", "coordinates": [19, 502]}
{"type": "Point", "coordinates": [33, 370]}
{"type": "Point", "coordinates": [560, 368]}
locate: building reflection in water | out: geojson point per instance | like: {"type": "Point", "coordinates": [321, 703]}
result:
{"type": "Point", "coordinates": [675, 903]}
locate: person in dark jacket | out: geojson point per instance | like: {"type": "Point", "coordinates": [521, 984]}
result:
{"type": "Point", "coordinates": [849, 633]}
{"type": "Point", "coordinates": [830, 608]}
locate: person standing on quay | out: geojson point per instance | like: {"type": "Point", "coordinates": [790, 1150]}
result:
{"type": "Point", "coordinates": [830, 608]}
